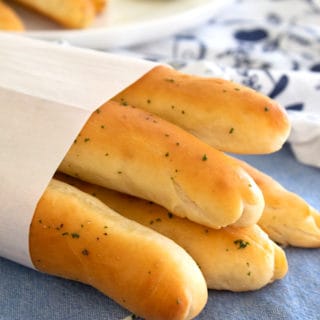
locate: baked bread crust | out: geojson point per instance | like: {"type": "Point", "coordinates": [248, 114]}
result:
{"type": "Point", "coordinates": [224, 114]}
{"type": "Point", "coordinates": [75, 236]}
{"type": "Point", "coordinates": [99, 5]}
{"type": "Point", "coordinates": [287, 218]}
{"type": "Point", "coordinates": [236, 259]}
{"type": "Point", "coordinates": [68, 13]}
{"type": "Point", "coordinates": [9, 20]}
{"type": "Point", "coordinates": [129, 150]}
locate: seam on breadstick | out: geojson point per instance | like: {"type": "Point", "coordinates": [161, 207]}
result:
{"type": "Point", "coordinates": [226, 115]}
{"type": "Point", "coordinates": [132, 151]}
{"type": "Point", "coordinates": [75, 236]}
{"type": "Point", "coordinates": [237, 259]}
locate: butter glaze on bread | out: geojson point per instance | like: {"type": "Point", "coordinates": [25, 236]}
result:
{"type": "Point", "coordinates": [224, 114]}
{"type": "Point", "coordinates": [9, 20]}
{"type": "Point", "coordinates": [75, 236]}
{"type": "Point", "coordinates": [236, 259]}
{"type": "Point", "coordinates": [129, 150]}
{"type": "Point", "coordinates": [68, 13]}
{"type": "Point", "coordinates": [287, 218]}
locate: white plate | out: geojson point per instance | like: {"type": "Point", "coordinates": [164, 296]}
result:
{"type": "Point", "coordinates": [127, 22]}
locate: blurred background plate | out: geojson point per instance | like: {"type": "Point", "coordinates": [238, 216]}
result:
{"type": "Point", "coordinates": [127, 22]}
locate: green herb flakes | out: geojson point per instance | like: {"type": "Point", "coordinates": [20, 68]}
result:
{"type": "Point", "coordinates": [75, 235]}
{"type": "Point", "coordinates": [123, 102]}
{"type": "Point", "coordinates": [241, 243]}
{"type": "Point", "coordinates": [85, 252]}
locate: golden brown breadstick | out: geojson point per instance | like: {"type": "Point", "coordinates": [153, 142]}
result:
{"type": "Point", "coordinates": [75, 236]}
{"type": "Point", "coordinates": [287, 218]}
{"type": "Point", "coordinates": [69, 13]}
{"type": "Point", "coordinates": [129, 150]}
{"type": "Point", "coordinates": [99, 5]}
{"type": "Point", "coordinates": [226, 115]}
{"type": "Point", "coordinates": [9, 20]}
{"type": "Point", "coordinates": [237, 259]}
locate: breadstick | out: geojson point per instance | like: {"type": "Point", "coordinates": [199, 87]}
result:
{"type": "Point", "coordinates": [287, 218]}
{"type": "Point", "coordinates": [236, 259]}
{"type": "Point", "coordinates": [129, 150]}
{"type": "Point", "coordinates": [99, 5]}
{"type": "Point", "coordinates": [9, 20]}
{"type": "Point", "coordinates": [226, 115]}
{"type": "Point", "coordinates": [75, 236]}
{"type": "Point", "coordinates": [69, 13]}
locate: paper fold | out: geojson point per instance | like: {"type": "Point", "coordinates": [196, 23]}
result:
{"type": "Point", "coordinates": [47, 93]}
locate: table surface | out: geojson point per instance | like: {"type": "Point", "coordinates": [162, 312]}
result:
{"type": "Point", "coordinates": [28, 294]}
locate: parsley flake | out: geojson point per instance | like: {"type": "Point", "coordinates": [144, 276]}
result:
{"type": "Point", "coordinates": [241, 243]}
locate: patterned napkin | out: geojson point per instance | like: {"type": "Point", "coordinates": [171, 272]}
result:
{"type": "Point", "coordinates": [271, 46]}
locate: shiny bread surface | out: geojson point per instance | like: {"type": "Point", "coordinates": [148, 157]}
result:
{"type": "Point", "coordinates": [75, 236]}
{"type": "Point", "coordinates": [132, 151]}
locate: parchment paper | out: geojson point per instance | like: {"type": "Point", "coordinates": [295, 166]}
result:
{"type": "Point", "coordinates": [47, 93]}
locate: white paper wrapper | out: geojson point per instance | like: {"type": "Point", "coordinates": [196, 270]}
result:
{"type": "Point", "coordinates": [47, 93]}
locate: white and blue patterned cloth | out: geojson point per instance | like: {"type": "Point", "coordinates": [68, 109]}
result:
{"type": "Point", "coordinates": [274, 47]}
{"type": "Point", "coordinates": [271, 46]}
